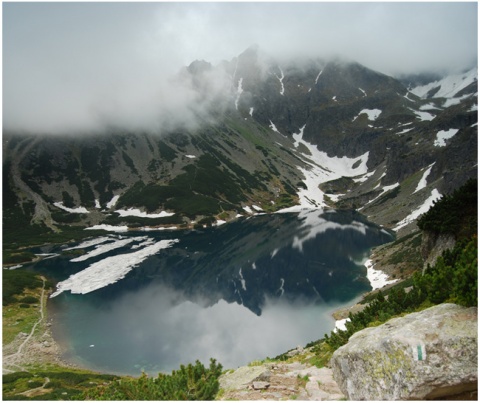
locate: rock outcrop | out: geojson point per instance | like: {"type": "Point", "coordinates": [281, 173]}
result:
{"type": "Point", "coordinates": [433, 245]}
{"type": "Point", "coordinates": [425, 355]}
{"type": "Point", "coordinates": [279, 381]}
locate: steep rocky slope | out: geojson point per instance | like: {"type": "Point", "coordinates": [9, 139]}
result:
{"type": "Point", "coordinates": [316, 133]}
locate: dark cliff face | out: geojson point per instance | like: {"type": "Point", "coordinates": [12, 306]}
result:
{"type": "Point", "coordinates": [246, 153]}
{"type": "Point", "coordinates": [434, 244]}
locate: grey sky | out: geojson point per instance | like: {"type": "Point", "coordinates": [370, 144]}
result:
{"type": "Point", "coordinates": [73, 65]}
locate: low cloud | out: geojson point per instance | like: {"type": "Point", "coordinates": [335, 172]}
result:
{"type": "Point", "coordinates": [73, 67]}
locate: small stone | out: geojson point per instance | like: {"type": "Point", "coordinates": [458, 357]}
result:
{"type": "Point", "coordinates": [260, 385]}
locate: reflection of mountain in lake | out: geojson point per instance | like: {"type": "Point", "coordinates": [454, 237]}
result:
{"type": "Point", "coordinates": [313, 255]}
{"type": "Point", "coordinates": [248, 289]}
{"type": "Point", "coordinates": [317, 256]}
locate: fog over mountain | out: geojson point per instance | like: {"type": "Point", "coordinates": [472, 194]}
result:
{"type": "Point", "coordinates": [84, 67]}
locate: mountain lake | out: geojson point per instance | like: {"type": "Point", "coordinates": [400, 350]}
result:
{"type": "Point", "coordinates": [255, 287]}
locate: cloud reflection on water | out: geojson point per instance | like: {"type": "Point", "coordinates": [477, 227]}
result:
{"type": "Point", "coordinates": [152, 330]}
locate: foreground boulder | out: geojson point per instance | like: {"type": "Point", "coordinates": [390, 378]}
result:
{"type": "Point", "coordinates": [425, 355]}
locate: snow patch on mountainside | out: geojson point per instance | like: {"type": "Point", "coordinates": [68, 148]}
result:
{"type": "Point", "coordinates": [273, 127]}
{"type": "Point", "coordinates": [423, 181]}
{"type": "Point", "coordinates": [422, 209]}
{"type": "Point", "coordinates": [135, 212]}
{"type": "Point", "coordinates": [364, 177]}
{"type": "Point", "coordinates": [112, 202]}
{"type": "Point", "coordinates": [109, 270]}
{"type": "Point", "coordinates": [372, 114]}
{"type": "Point", "coordinates": [423, 116]}
{"type": "Point", "coordinates": [428, 107]}
{"type": "Point", "coordinates": [77, 210]}
{"type": "Point", "coordinates": [385, 189]}
{"type": "Point", "coordinates": [323, 168]}
{"type": "Point", "coordinates": [455, 101]}
{"type": "Point", "coordinates": [239, 92]}
{"type": "Point", "coordinates": [282, 88]}
{"type": "Point", "coordinates": [448, 87]}
{"type": "Point", "coordinates": [405, 131]}
{"type": "Point", "coordinates": [443, 135]}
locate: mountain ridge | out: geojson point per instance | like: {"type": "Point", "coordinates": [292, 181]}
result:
{"type": "Point", "coordinates": [257, 145]}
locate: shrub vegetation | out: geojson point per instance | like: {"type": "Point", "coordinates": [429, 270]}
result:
{"type": "Point", "coordinates": [191, 382]}
{"type": "Point", "coordinates": [454, 277]}
{"type": "Point", "coordinates": [14, 282]}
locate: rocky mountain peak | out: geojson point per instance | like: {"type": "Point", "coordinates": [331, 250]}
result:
{"type": "Point", "coordinates": [275, 122]}
{"type": "Point", "coordinates": [199, 66]}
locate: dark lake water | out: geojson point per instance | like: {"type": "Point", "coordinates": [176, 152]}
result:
{"type": "Point", "coordinates": [242, 291]}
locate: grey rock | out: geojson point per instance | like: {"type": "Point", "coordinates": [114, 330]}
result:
{"type": "Point", "coordinates": [244, 376]}
{"type": "Point", "coordinates": [433, 245]}
{"type": "Point", "coordinates": [295, 351]}
{"type": "Point", "coordinates": [259, 385]}
{"type": "Point", "coordinates": [424, 355]}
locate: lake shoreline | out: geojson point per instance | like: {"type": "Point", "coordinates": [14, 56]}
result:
{"type": "Point", "coordinates": [48, 346]}
{"type": "Point", "coordinates": [37, 348]}
{"type": "Point", "coordinates": [61, 352]}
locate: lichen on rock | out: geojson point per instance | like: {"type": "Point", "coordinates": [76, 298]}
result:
{"type": "Point", "coordinates": [423, 355]}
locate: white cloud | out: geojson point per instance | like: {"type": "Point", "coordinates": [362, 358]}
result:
{"type": "Point", "coordinates": [80, 66]}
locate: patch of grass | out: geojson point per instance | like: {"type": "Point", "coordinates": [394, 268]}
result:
{"type": "Point", "coordinates": [12, 257]}
{"type": "Point", "coordinates": [15, 282]}
{"type": "Point", "coordinates": [64, 384]}
{"type": "Point", "coordinates": [17, 320]}
{"type": "Point", "coordinates": [19, 316]}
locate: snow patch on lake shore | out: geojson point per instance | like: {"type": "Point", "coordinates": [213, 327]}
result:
{"type": "Point", "coordinates": [111, 228]}
{"type": "Point", "coordinates": [341, 324]}
{"type": "Point", "coordinates": [378, 279]}
{"type": "Point", "coordinates": [109, 270]}
{"type": "Point", "coordinates": [91, 242]}
{"type": "Point", "coordinates": [104, 248]}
